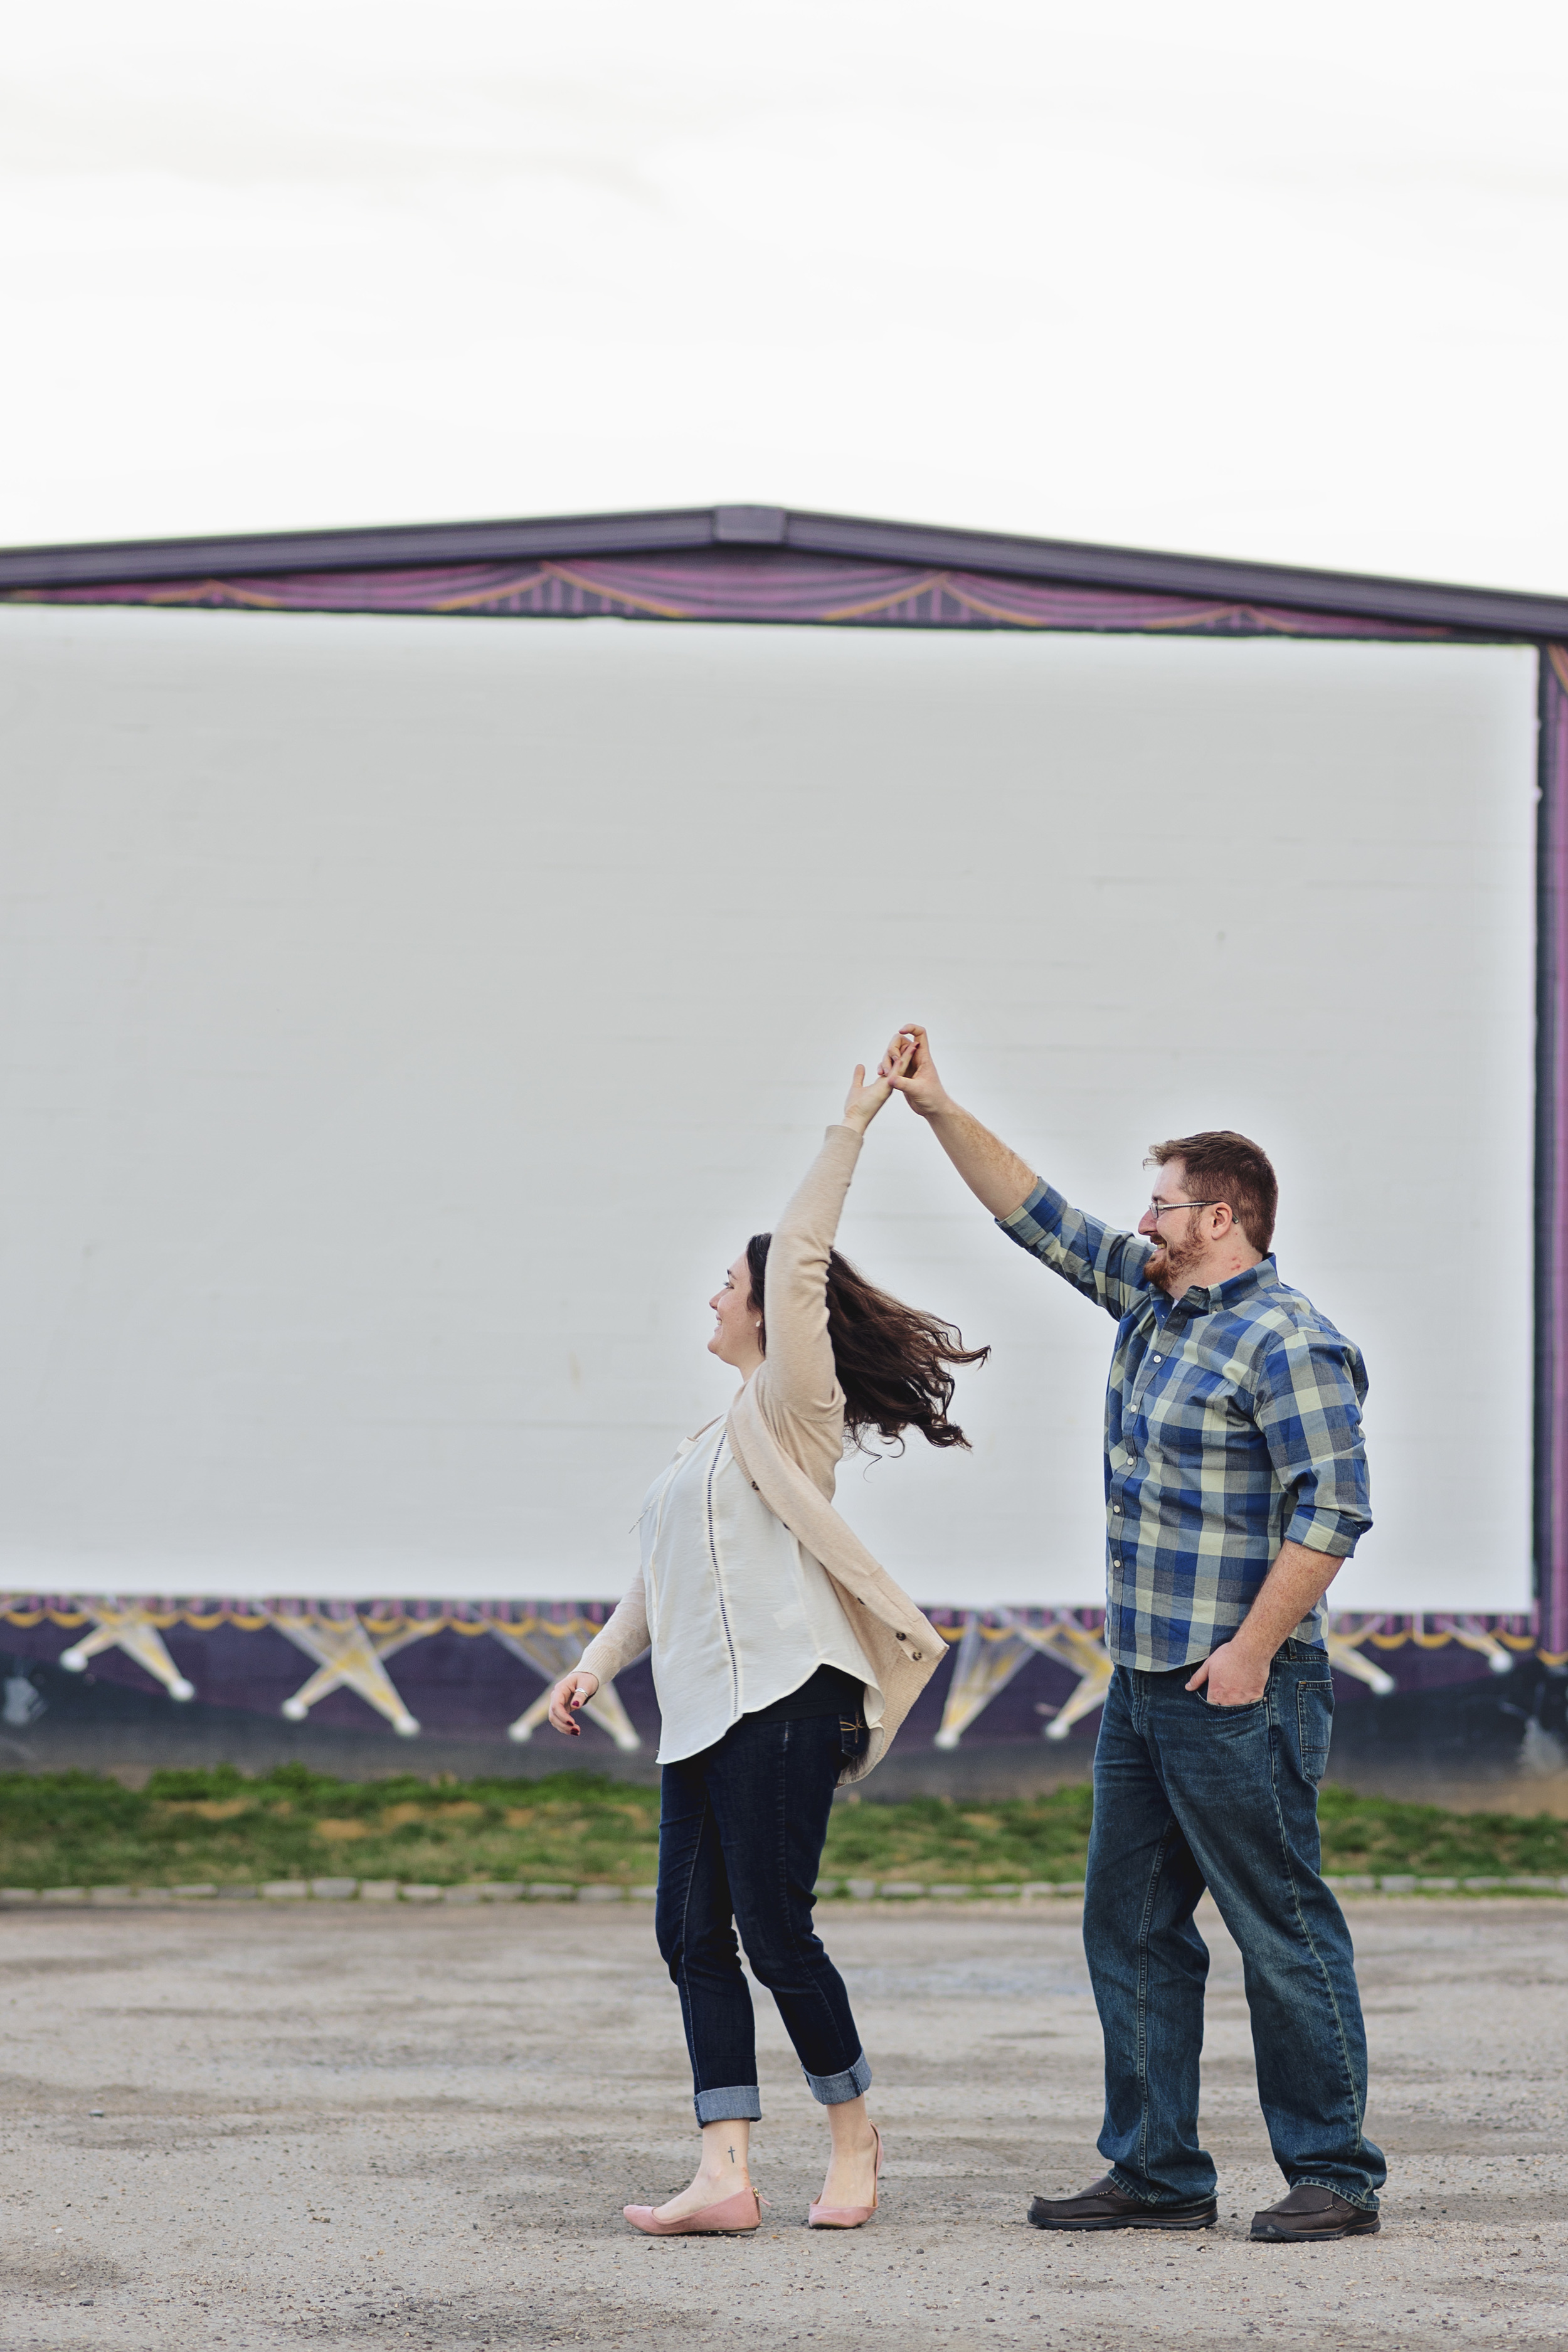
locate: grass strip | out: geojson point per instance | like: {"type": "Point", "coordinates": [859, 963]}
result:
{"type": "Point", "coordinates": [216, 1826]}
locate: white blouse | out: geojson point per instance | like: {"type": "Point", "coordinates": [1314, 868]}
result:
{"type": "Point", "coordinates": [739, 1612]}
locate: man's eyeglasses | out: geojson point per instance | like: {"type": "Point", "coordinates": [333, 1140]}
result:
{"type": "Point", "coordinates": [1162, 1208]}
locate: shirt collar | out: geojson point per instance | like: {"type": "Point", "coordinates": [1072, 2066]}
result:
{"type": "Point", "coordinates": [1202, 1300]}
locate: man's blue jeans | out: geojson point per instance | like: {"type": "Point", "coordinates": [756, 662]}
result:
{"type": "Point", "coordinates": [1186, 1796]}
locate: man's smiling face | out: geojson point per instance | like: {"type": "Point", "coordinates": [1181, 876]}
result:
{"type": "Point", "coordinates": [1178, 1248]}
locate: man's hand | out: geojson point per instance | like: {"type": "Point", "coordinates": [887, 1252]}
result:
{"type": "Point", "coordinates": [1233, 1676]}
{"type": "Point", "coordinates": [908, 1067]}
{"type": "Point", "coordinates": [994, 1174]}
{"type": "Point", "coordinates": [1237, 1673]}
{"type": "Point", "coordinates": [571, 1692]}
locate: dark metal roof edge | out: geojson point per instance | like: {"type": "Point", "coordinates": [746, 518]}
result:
{"type": "Point", "coordinates": [1366, 595]}
{"type": "Point", "coordinates": [1487, 611]}
{"type": "Point", "coordinates": [377, 549]}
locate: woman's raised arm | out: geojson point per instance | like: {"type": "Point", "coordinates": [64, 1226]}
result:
{"type": "Point", "coordinates": [800, 1377]}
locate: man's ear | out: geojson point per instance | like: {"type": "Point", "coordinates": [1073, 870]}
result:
{"type": "Point", "coordinates": [1223, 1220]}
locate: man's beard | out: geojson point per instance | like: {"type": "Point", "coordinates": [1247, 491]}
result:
{"type": "Point", "coordinates": [1174, 1261]}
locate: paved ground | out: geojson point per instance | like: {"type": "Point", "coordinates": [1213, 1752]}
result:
{"type": "Point", "coordinates": [336, 2126]}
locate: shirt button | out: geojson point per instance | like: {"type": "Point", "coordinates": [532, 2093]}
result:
{"type": "Point", "coordinates": [1159, 1360]}
{"type": "Point", "coordinates": [1117, 1508]}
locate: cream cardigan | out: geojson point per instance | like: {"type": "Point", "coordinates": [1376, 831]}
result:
{"type": "Point", "coordinates": [787, 1434]}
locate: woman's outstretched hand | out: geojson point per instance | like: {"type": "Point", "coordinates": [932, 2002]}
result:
{"type": "Point", "coordinates": [571, 1692]}
{"type": "Point", "coordinates": [864, 1100]}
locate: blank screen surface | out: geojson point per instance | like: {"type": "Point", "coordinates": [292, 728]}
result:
{"type": "Point", "coordinates": [410, 1019]}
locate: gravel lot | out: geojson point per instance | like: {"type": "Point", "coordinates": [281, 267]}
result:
{"type": "Point", "coordinates": [343, 2124]}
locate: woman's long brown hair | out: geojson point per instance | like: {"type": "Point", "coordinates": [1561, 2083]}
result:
{"type": "Point", "coordinates": [892, 1360]}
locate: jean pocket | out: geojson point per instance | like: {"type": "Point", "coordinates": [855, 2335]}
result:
{"type": "Point", "coordinates": [1314, 1723]}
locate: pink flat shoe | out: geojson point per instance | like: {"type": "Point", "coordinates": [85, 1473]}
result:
{"type": "Point", "coordinates": [847, 2217]}
{"type": "Point", "coordinates": [731, 2216]}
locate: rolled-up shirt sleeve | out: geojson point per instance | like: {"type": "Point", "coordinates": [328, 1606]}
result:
{"type": "Point", "coordinates": [1104, 1264]}
{"type": "Point", "coordinates": [1309, 1400]}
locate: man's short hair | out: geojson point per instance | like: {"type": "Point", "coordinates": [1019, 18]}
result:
{"type": "Point", "coordinates": [1221, 1165]}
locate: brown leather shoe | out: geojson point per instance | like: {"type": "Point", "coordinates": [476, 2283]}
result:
{"type": "Point", "coordinates": [1308, 2214]}
{"type": "Point", "coordinates": [1106, 2207]}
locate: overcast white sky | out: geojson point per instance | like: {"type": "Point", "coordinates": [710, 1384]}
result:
{"type": "Point", "coordinates": [1287, 282]}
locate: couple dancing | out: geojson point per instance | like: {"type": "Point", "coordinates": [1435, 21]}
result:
{"type": "Point", "coordinates": [785, 1659]}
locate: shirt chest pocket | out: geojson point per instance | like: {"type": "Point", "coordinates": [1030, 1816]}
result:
{"type": "Point", "coordinates": [1198, 1409]}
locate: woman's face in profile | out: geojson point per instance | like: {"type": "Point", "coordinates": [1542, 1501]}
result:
{"type": "Point", "coordinates": [734, 1340]}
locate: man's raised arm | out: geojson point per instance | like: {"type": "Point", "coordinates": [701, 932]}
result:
{"type": "Point", "coordinates": [995, 1176]}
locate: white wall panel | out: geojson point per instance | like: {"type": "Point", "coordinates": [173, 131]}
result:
{"type": "Point", "coordinates": [407, 1019]}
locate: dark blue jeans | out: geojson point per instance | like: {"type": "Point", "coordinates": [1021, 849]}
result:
{"type": "Point", "coordinates": [1187, 1796]}
{"type": "Point", "coordinates": [740, 1839]}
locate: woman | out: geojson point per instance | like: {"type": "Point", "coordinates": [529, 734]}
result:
{"type": "Point", "coordinates": [785, 1660]}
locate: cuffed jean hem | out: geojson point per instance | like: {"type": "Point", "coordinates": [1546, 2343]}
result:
{"type": "Point", "coordinates": [833, 2089]}
{"type": "Point", "coordinates": [741, 2102]}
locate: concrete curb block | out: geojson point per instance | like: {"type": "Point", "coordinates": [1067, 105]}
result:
{"type": "Point", "coordinates": [475, 1893]}
{"type": "Point", "coordinates": [908, 1890]}
{"type": "Point", "coordinates": [1408, 1883]}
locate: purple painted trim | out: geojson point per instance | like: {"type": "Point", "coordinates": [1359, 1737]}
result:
{"type": "Point", "coordinates": [471, 1689]}
{"type": "Point", "coordinates": [1551, 1160]}
{"type": "Point", "coordinates": [203, 1612]}
{"type": "Point", "coordinates": [727, 583]}
{"type": "Point", "coordinates": [1487, 613]}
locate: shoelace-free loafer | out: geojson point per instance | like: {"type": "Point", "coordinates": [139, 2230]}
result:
{"type": "Point", "coordinates": [1307, 2215]}
{"type": "Point", "coordinates": [1106, 2207]}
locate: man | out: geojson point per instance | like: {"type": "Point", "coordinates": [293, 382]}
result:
{"type": "Point", "coordinates": [1235, 1484]}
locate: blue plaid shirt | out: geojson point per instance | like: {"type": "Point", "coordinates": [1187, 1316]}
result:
{"type": "Point", "coordinates": [1232, 1423]}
